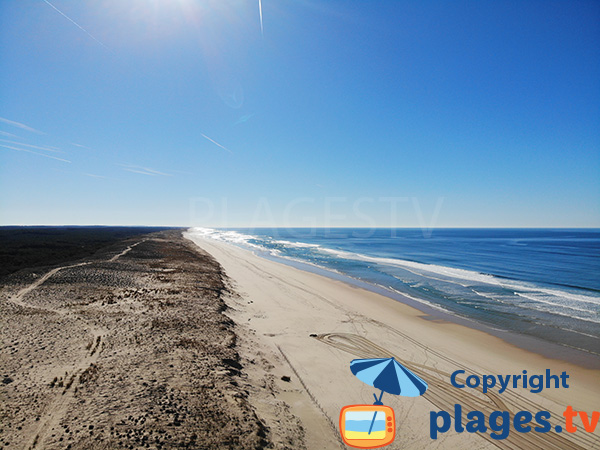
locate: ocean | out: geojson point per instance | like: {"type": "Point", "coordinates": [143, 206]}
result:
{"type": "Point", "coordinates": [543, 283]}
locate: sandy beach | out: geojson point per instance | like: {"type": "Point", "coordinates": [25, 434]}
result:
{"type": "Point", "coordinates": [164, 342]}
{"type": "Point", "coordinates": [310, 327]}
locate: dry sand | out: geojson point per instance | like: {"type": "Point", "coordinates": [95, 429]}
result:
{"type": "Point", "coordinates": [310, 327]}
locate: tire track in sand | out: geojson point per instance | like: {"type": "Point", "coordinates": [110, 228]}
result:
{"type": "Point", "coordinates": [18, 297]}
{"type": "Point", "coordinates": [444, 396]}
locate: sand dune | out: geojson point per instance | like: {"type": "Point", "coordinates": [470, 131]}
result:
{"type": "Point", "coordinates": [129, 350]}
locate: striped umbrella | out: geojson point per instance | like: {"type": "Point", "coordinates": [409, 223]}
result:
{"type": "Point", "coordinates": [388, 375]}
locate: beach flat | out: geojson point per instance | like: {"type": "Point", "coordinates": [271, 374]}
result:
{"type": "Point", "coordinates": [310, 327]}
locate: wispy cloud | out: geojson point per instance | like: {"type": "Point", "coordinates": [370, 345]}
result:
{"type": "Point", "coordinates": [216, 143]}
{"type": "Point", "coordinates": [262, 31]}
{"type": "Point", "coordinates": [20, 125]}
{"type": "Point", "coordinates": [93, 176]}
{"type": "Point", "coordinates": [80, 146]}
{"type": "Point", "coordinates": [74, 23]}
{"type": "Point", "coordinates": [143, 170]}
{"type": "Point", "coordinates": [48, 149]}
{"type": "Point", "coordinates": [243, 119]}
{"type": "Point", "coordinates": [35, 153]}
{"type": "Point", "coordinates": [4, 133]}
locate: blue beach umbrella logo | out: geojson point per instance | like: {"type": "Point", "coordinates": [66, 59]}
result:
{"type": "Point", "coordinates": [365, 426]}
{"type": "Point", "coordinates": [388, 375]}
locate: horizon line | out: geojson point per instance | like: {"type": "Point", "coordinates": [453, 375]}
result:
{"type": "Point", "coordinates": [316, 227]}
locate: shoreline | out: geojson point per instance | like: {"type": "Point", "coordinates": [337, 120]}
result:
{"type": "Point", "coordinates": [573, 355]}
{"type": "Point", "coordinates": [534, 344]}
{"type": "Point", "coordinates": [311, 326]}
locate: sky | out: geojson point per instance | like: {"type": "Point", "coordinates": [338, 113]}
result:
{"type": "Point", "coordinates": [300, 113]}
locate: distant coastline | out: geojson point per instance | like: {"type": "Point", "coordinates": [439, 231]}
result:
{"type": "Point", "coordinates": [508, 308]}
{"type": "Point", "coordinates": [157, 340]}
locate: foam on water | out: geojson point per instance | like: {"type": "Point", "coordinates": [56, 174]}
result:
{"type": "Point", "coordinates": [232, 237]}
{"type": "Point", "coordinates": [497, 300]}
{"type": "Point", "coordinates": [553, 297]}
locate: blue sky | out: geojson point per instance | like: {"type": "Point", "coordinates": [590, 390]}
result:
{"type": "Point", "coordinates": [340, 113]}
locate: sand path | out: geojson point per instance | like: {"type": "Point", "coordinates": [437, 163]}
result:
{"type": "Point", "coordinates": [86, 359]}
{"type": "Point", "coordinates": [18, 297]}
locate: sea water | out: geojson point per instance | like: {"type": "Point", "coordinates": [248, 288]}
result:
{"type": "Point", "coordinates": [539, 282]}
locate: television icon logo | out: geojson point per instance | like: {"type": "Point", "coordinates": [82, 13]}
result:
{"type": "Point", "coordinates": [372, 426]}
{"type": "Point", "coordinates": [367, 426]}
